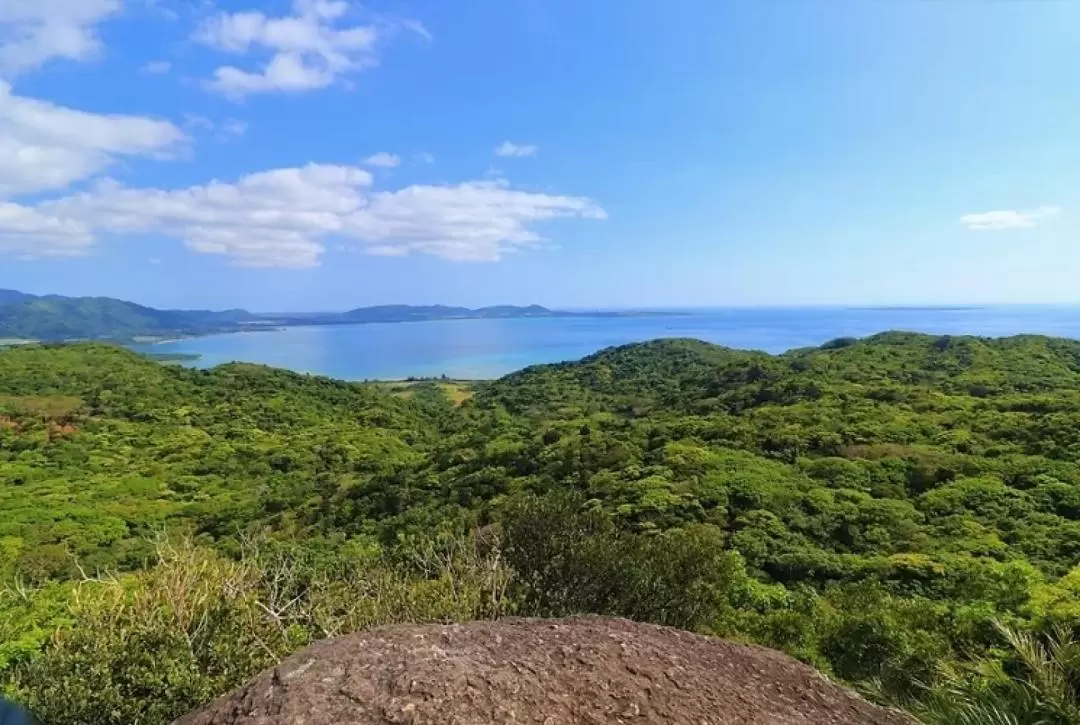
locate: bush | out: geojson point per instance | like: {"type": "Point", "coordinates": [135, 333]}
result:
{"type": "Point", "coordinates": [146, 648]}
{"type": "Point", "coordinates": [1037, 684]}
{"type": "Point", "coordinates": [570, 559]}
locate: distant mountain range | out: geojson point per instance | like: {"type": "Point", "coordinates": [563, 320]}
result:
{"type": "Point", "coordinates": [55, 317]}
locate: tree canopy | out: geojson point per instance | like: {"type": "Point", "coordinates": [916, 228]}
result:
{"type": "Point", "coordinates": [900, 511]}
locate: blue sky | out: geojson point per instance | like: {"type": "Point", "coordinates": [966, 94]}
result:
{"type": "Point", "coordinates": [319, 154]}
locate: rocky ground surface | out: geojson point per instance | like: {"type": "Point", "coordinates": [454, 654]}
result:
{"type": "Point", "coordinates": [584, 671]}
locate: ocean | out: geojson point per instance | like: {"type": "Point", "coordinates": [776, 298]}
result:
{"type": "Point", "coordinates": [484, 349]}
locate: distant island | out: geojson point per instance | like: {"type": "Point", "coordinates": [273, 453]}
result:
{"type": "Point", "coordinates": [25, 317]}
{"type": "Point", "coordinates": [425, 313]}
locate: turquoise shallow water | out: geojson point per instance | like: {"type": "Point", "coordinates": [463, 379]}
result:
{"type": "Point", "coordinates": [490, 348]}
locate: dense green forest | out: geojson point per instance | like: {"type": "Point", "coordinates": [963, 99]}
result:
{"type": "Point", "coordinates": [902, 512]}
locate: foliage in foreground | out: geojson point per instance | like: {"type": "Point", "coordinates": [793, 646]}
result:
{"type": "Point", "coordinates": [148, 647]}
{"type": "Point", "coordinates": [1037, 683]}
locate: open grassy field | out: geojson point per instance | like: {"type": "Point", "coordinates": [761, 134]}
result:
{"type": "Point", "coordinates": [456, 391]}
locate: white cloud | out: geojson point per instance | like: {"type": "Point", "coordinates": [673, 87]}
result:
{"type": "Point", "coordinates": [157, 67]}
{"type": "Point", "coordinates": [386, 250]}
{"type": "Point", "coordinates": [278, 218]}
{"type": "Point", "coordinates": [226, 131]}
{"type": "Point", "coordinates": [285, 217]}
{"type": "Point", "coordinates": [44, 146]}
{"type": "Point", "coordinates": [198, 122]}
{"type": "Point", "coordinates": [28, 233]}
{"type": "Point", "coordinates": [308, 49]}
{"type": "Point", "coordinates": [417, 27]}
{"type": "Point", "coordinates": [383, 160]}
{"type": "Point", "coordinates": [33, 32]}
{"type": "Point", "coordinates": [472, 221]}
{"type": "Point", "coordinates": [509, 149]}
{"type": "Point", "coordinates": [1008, 219]}
{"type": "Point", "coordinates": [234, 128]}
{"type": "Point", "coordinates": [268, 219]}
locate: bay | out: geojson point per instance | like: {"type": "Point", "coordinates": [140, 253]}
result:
{"type": "Point", "coordinates": [483, 349]}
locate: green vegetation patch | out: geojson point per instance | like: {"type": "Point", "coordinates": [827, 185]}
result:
{"type": "Point", "coordinates": [902, 512]}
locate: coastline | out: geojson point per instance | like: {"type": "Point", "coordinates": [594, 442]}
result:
{"type": "Point", "coordinates": [489, 348]}
{"type": "Point", "coordinates": [282, 326]}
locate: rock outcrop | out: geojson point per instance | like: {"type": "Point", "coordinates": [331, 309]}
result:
{"type": "Point", "coordinates": [583, 671]}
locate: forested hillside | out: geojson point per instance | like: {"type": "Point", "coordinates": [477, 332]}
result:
{"type": "Point", "coordinates": [55, 317]}
{"type": "Point", "coordinates": [902, 512]}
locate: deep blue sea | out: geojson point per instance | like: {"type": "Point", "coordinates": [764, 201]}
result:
{"type": "Point", "coordinates": [482, 349]}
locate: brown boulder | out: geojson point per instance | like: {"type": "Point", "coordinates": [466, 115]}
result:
{"type": "Point", "coordinates": [584, 671]}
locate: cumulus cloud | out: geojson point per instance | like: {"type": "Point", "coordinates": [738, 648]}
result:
{"type": "Point", "coordinates": [285, 217]}
{"type": "Point", "coordinates": [1008, 219]}
{"type": "Point", "coordinates": [472, 221]}
{"type": "Point", "coordinates": [509, 149]}
{"type": "Point", "coordinates": [383, 160]}
{"type": "Point", "coordinates": [26, 233]}
{"type": "Point", "coordinates": [33, 32]}
{"type": "Point", "coordinates": [157, 67]}
{"type": "Point", "coordinates": [267, 219]}
{"type": "Point", "coordinates": [309, 49]}
{"type": "Point", "coordinates": [277, 218]}
{"type": "Point", "coordinates": [45, 146]}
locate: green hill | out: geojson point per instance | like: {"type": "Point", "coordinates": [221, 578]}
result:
{"type": "Point", "coordinates": [689, 375]}
{"type": "Point", "coordinates": [875, 507]}
{"type": "Point", "coordinates": [54, 317]}
{"type": "Point", "coordinates": [8, 296]}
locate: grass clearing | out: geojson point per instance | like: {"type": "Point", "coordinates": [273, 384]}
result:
{"type": "Point", "coordinates": [48, 407]}
{"type": "Point", "coordinates": [456, 391]}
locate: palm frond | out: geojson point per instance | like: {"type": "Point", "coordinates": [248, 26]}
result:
{"type": "Point", "coordinates": [1044, 691]}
